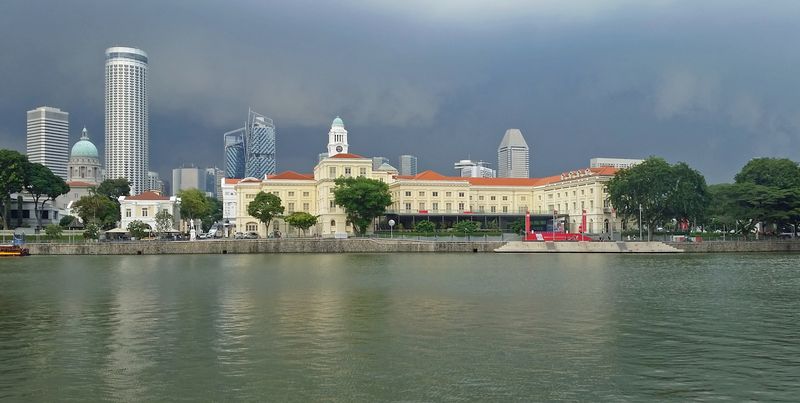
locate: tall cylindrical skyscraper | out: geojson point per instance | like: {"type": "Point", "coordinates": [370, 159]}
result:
{"type": "Point", "coordinates": [127, 150]}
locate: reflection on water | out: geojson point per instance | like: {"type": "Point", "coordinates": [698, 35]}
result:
{"type": "Point", "coordinates": [401, 326]}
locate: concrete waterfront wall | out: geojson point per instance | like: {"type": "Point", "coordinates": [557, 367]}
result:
{"type": "Point", "coordinates": [738, 246]}
{"type": "Point", "coordinates": [259, 246]}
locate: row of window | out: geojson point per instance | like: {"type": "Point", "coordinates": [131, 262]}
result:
{"type": "Point", "coordinates": [347, 172]}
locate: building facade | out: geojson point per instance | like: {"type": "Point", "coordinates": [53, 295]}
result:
{"type": "Point", "coordinates": [474, 169]}
{"type": "Point", "coordinates": [619, 163]}
{"type": "Point", "coordinates": [144, 207]}
{"type": "Point", "coordinates": [408, 165]}
{"type": "Point", "coordinates": [259, 146]}
{"type": "Point", "coordinates": [185, 178]}
{"type": "Point", "coordinates": [48, 139]}
{"type": "Point", "coordinates": [513, 156]}
{"type": "Point", "coordinates": [84, 162]}
{"type": "Point", "coordinates": [441, 199]}
{"type": "Point", "coordinates": [126, 116]}
{"type": "Point", "coordinates": [234, 153]}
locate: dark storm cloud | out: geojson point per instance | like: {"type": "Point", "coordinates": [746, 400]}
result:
{"type": "Point", "coordinates": [711, 84]}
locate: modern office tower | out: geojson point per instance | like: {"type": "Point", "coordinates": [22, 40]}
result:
{"type": "Point", "coordinates": [234, 153]}
{"type": "Point", "coordinates": [48, 139]}
{"type": "Point", "coordinates": [259, 146]}
{"type": "Point", "coordinates": [154, 182]}
{"type": "Point", "coordinates": [84, 162]}
{"type": "Point", "coordinates": [337, 138]}
{"type": "Point", "coordinates": [513, 158]}
{"type": "Point", "coordinates": [214, 182]}
{"type": "Point", "coordinates": [378, 161]}
{"type": "Point", "coordinates": [474, 169]}
{"type": "Point", "coordinates": [408, 165]}
{"type": "Point", "coordinates": [127, 150]}
{"type": "Point", "coordinates": [190, 177]}
{"type": "Point", "coordinates": [619, 163]}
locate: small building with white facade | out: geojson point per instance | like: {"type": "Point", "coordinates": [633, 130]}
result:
{"type": "Point", "coordinates": [144, 207]}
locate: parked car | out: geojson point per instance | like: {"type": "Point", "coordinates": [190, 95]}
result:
{"type": "Point", "coordinates": [238, 235]}
{"type": "Point", "coordinates": [251, 235]}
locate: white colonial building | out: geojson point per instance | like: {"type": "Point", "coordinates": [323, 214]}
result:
{"type": "Point", "coordinates": [144, 207]}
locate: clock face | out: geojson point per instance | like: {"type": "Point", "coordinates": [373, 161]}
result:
{"type": "Point", "coordinates": [339, 149]}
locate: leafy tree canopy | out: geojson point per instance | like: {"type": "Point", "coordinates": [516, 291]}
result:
{"type": "Point", "coordinates": [43, 185]}
{"type": "Point", "coordinates": [163, 222]}
{"type": "Point", "coordinates": [114, 188]}
{"type": "Point", "coordinates": [265, 207]}
{"type": "Point", "coordinates": [12, 179]}
{"type": "Point", "coordinates": [302, 220]}
{"type": "Point", "coordinates": [138, 229]}
{"type": "Point", "coordinates": [53, 231]}
{"type": "Point", "coordinates": [363, 199]}
{"type": "Point", "coordinates": [467, 227]}
{"type": "Point", "coordinates": [194, 204]}
{"type": "Point", "coordinates": [213, 214]}
{"type": "Point", "coordinates": [97, 209]}
{"type": "Point", "coordinates": [663, 192]}
{"type": "Point", "coordinates": [776, 172]}
{"type": "Point", "coordinates": [425, 226]}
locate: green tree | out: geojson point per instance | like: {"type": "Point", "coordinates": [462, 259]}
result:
{"type": "Point", "coordinates": [67, 221]}
{"type": "Point", "coordinates": [517, 226]}
{"type": "Point", "coordinates": [661, 191]}
{"type": "Point", "coordinates": [301, 220]}
{"type": "Point", "coordinates": [213, 214]}
{"type": "Point", "coordinates": [164, 221]}
{"type": "Point", "coordinates": [138, 229]}
{"type": "Point", "coordinates": [97, 209]}
{"type": "Point", "coordinates": [363, 199]}
{"type": "Point", "coordinates": [466, 227]}
{"type": "Point", "coordinates": [91, 230]}
{"type": "Point", "coordinates": [53, 231]}
{"type": "Point", "coordinates": [265, 207]}
{"type": "Point", "coordinates": [194, 204]}
{"type": "Point", "coordinates": [114, 188]}
{"type": "Point", "coordinates": [43, 185]}
{"type": "Point", "coordinates": [12, 179]}
{"type": "Point", "coordinates": [774, 172]}
{"type": "Point", "coordinates": [425, 227]}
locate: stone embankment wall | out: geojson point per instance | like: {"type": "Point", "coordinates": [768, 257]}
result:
{"type": "Point", "coordinates": [259, 246]}
{"type": "Point", "coordinates": [738, 246]}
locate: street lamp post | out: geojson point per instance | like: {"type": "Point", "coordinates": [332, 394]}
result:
{"type": "Point", "coordinates": [391, 228]}
{"type": "Point", "coordinates": [640, 221]}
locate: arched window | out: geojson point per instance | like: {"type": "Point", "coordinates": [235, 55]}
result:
{"type": "Point", "coordinates": [333, 223]}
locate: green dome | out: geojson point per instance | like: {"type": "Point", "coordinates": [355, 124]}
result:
{"type": "Point", "coordinates": [84, 148]}
{"type": "Point", "coordinates": [338, 122]}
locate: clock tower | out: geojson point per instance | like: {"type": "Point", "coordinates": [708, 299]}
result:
{"type": "Point", "coordinates": [337, 138]}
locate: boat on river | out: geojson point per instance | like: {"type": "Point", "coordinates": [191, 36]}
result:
{"type": "Point", "coordinates": [13, 250]}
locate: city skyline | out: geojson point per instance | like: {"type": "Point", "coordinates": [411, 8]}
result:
{"type": "Point", "coordinates": [615, 80]}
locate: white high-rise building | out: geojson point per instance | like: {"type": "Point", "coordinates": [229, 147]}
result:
{"type": "Point", "coordinates": [48, 139]}
{"type": "Point", "coordinates": [513, 157]}
{"type": "Point", "coordinates": [620, 163]}
{"type": "Point", "coordinates": [474, 169]}
{"type": "Point", "coordinates": [408, 165]}
{"type": "Point", "coordinates": [185, 178]}
{"type": "Point", "coordinates": [127, 150]}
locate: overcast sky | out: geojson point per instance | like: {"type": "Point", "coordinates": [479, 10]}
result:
{"type": "Point", "coordinates": [711, 83]}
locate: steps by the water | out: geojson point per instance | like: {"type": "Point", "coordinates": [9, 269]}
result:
{"type": "Point", "coordinates": [586, 247]}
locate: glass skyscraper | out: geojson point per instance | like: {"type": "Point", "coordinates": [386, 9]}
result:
{"type": "Point", "coordinates": [234, 153]}
{"type": "Point", "coordinates": [250, 151]}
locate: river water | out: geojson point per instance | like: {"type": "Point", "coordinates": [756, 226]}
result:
{"type": "Point", "coordinates": [413, 327]}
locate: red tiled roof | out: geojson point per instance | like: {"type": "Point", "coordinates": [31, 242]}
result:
{"type": "Point", "coordinates": [250, 180]}
{"type": "Point", "coordinates": [147, 196]}
{"type": "Point", "coordinates": [292, 175]}
{"type": "Point", "coordinates": [79, 184]}
{"type": "Point", "coordinates": [347, 155]}
{"type": "Point", "coordinates": [231, 181]}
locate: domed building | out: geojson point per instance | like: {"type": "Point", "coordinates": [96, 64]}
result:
{"type": "Point", "coordinates": [84, 162]}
